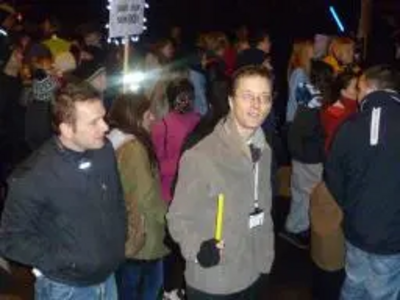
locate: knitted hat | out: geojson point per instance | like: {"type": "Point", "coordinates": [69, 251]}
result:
{"type": "Point", "coordinates": [43, 86]}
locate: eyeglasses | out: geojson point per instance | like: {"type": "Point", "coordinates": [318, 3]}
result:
{"type": "Point", "coordinates": [253, 98]}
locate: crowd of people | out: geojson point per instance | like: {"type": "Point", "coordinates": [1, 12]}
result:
{"type": "Point", "coordinates": [114, 195]}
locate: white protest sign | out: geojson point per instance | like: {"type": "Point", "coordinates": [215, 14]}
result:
{"type": "Point", "coordinates": [126, 18]}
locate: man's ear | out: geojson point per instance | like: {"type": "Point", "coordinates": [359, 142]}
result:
{"type": "Point", "coordinates": [66, 130]}
{"type": "Point", "coordinates": [230, 102]}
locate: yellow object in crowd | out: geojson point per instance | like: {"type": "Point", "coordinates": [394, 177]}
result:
{"type": "Point", "coordinates": [57, 45]}
{"type": "Point", "coordinates": [220, 217]}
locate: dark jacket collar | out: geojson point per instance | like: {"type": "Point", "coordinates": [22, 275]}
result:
{"type": "Point", "coordinates": [70, 154]}
{"type": "Point", "coordinates": [379, 98]}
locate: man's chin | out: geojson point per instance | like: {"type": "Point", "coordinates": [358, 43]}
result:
{"type": "Point", "coordinates": [254, 125]}
{"type": "Point", "coordinates": [97, 145]}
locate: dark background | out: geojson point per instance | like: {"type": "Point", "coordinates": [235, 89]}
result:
{"type": "Point", "coordinates": [284, 19]}
{"type": "Point", "coordinates": [294, 17]}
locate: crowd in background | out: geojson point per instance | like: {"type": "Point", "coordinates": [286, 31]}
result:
{"type": "Point", "coordinates": [183, 95]}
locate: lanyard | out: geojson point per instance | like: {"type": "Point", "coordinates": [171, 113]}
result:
{"type": "Point", "coordinates": [255, 158]}
{"type": "Point", "coordinates": [256, 184]}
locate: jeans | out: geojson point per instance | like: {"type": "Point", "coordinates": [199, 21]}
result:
{"type": "Point", "coordinates": [254, 292]}
{"type": "Point", "coordinates": [304, 179]}
{"type": "Point", "coordinates": [370, 276]}
{"type": "Point", "coordinates": [140, 280]}
{"type": "Point", "coordinates": [47, 289]}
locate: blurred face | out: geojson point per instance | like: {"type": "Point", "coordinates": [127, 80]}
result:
{"type": "Point", "coordinates": [88, 131]}
{"type": "Point", "coordinates": [100, 82]}
{"type": "Point", "coordinates": [346, 54]}
{"type": "Point", "coordinates": [251, 103]}
{"type": "Point", "coordinates": [242, 33]}
{"type": "Point", "coordinates": [321, 43]}
{"type": "Point", "coordinates": [46, 27]}
{"type": "Point", "coordinates": [364, 88]}
{"type": "Point", "coordinates": [176, 32]}
{"type": "Point", "coordinates": [14, 63]}
{"type": "Point", "coordinates": [310, 52]}
{"type": "Point", "coordinates": [220, 52]}
{"type": "Point", "coordinates": [241, 46]}
{"type": "Point", "coordinates": [24, 41]}
{"type": "Point", "coordinates": [351, 91]}
{"type": "Point", "coordinates": [46, 64]}
{"type": "Point", "coordinates": [266, 45]}
{"type": "Point", "coordinates": [168, 51]}
{"type": "Point", "coordinates": [148, 120]}
{"type": "Point", "coordinates": [93, 39]}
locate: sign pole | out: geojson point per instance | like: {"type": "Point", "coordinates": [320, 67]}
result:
{"type": "Point", "coordinates": [126, 21]}
{"type": "Point", "coordinates": [126, 63]}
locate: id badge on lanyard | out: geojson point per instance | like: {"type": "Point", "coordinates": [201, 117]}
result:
{"type": "Point", "coordinates": [256, 218]}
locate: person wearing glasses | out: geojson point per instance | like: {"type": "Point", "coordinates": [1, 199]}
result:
{"type": "Point", "coordinates": [233, 161]}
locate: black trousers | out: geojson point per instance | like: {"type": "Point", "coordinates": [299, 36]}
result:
{"type": "Point", "coordinates": [327, 285]}
{"type": "Point", "coordinates": [174, 266]}
{"type": "Point", "coordinates": [254, 292]}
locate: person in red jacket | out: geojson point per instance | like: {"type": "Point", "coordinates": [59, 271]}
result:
{"type": "Point", "coordinates": [345, 91]}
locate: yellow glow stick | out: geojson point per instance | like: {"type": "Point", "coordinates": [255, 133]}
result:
{"type": "Point", "coordinates": [220, 217]}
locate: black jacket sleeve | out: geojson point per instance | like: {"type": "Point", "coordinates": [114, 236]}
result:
{"type": "Point", "coordinates": [19, 238]}
{"type": "Point", "coordinates": [305, 136]}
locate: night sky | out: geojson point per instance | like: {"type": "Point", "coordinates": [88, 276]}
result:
{"type": "Point", "coordinates": [294, 17]}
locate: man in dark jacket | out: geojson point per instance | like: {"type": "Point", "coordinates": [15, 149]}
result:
{"type": "Point", "coordinates": [363, 174]}
{"type": "Point", "coordinates": [65, 213]}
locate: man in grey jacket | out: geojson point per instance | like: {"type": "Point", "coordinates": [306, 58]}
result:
{"type": "Point", "coordinates": [234, 160]}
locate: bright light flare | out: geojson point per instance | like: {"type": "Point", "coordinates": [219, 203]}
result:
{"type": "Point", "coordinates": [134, 81]}
{"type": "Point", "coordinates": [134, 88]}
{"type": "Point", "coordinates": [134, 77]}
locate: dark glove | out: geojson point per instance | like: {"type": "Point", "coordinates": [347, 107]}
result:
{"type": "Point", "coordinates": [209, 254]}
